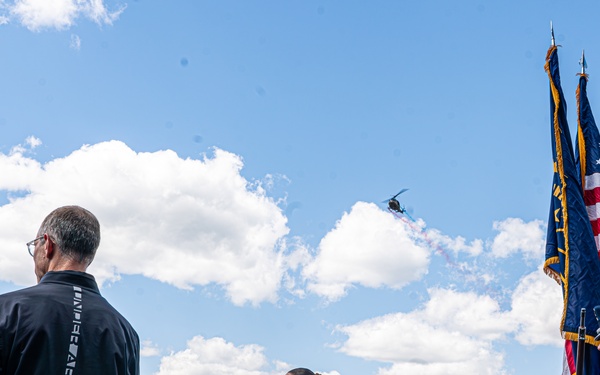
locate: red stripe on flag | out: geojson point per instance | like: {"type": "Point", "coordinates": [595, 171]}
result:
{"type": "Point", "coordinates": [591, 196]}
{"type": "Point", "coordinates": [569, 359]}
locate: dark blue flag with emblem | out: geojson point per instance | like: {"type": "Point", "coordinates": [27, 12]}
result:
{"type": "Point", "coordinates": [571, 254]}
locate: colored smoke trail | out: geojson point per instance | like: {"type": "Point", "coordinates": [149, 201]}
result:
{"type": "Point", "coordinates": [468, 274]}
{"type": "Point", "coordinates": [422, 232]}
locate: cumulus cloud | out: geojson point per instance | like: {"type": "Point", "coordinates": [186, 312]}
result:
{"type": "Point", "coordinates": [454, 332]}
{"type": "Point", "coordinates": [518, 236]}
{"type": "Point", "coordinates": [371, 248]}
{"type": "Point", "coordinates": [185, 222]}
{"type": "Point", "coordinates": [368, 247]}
{"type": "Point", "coordinates": [215, 356]}
{"type": "Point", "coordinates": [472, 314]}
{"type": "Point", "coordinates": [436, 339]}
{"type": "Point", "coordinates": [537, 305]}
{"type": "Point", "coordinates": [38, 15]}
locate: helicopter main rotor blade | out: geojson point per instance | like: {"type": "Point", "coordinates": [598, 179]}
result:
{"type": "Point", "coordinates": [401, 191]}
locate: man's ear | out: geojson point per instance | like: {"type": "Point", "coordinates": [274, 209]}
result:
{"type": "Point", "coordinates": [48, 246]}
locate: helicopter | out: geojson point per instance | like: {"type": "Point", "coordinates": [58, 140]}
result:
{"type": "Point", "coordinates": [394, 205]}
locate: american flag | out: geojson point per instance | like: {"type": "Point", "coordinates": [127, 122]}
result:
{"type": "Point", "coordinates": [588, 156]}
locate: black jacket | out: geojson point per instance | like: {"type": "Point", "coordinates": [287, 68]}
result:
{"type": "Point", "coordinates": [64, 326]}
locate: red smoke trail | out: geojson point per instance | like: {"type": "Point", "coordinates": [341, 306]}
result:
{"type": "Point", "coordinates": [470, 275]}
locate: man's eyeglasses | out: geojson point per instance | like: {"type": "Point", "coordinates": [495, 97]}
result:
{"type": "Point", "coordinates": [31, 245]}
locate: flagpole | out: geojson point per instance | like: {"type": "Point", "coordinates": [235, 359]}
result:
{"type": "Point", "coordinates": [552, 32]}
{"type": "Point", "coordinates": [583, 63]}
{"type": "Point", "coordinates": [581, 345]}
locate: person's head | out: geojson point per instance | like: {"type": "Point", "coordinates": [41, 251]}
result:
{"type": "Point", "coordinates": [69, 235]}
{"type": "Point", "coordinates": [300, 371]}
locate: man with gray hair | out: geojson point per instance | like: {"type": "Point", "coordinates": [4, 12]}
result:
{"type": "Point", "coordinates": [62, 325]}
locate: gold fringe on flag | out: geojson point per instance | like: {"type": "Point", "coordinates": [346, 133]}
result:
{"type": "Point", "coordinates": [563, 196]}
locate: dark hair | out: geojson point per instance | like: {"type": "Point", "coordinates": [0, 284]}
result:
{"type": "Point", "coordinates": [75, 231]}
{"type": "Point", "coordinates": [301, 371]}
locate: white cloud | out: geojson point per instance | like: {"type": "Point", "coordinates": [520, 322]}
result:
{"type": "Point", "coordinates": [75, 42]}
{"type": "Point", "coordinates": [472, 314]}
{"type": "Point", "coordinates": [434, 340]}
{"type": "Point", "coordinates": [454, 332]}
{"type": "Point", "coordinates": [149, 349]}
{"type": "Point", "coordinates": [37, 15]}
{"type": "Point", "coordinates": [298, 256]}
{"type": "Point", "coordinates": [371, 248]}
{"type": "Point", "coordinates": [537, 305]}
{"type": "Point", "coordinates": [518, 236]}
{"type": "Point", "coordinates": [368, 247]}
{"type": "Point", "coordinates": [184, 222]}
{"type": "Point", "coordinates": [215, 356]}
{"type": "Point", "coordinates": [33, 141]}
{"type": "Point", "coordinates": [457, 245]}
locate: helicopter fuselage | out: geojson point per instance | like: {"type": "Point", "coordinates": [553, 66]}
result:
{"type": "Point", "coordinates": [394, 205]}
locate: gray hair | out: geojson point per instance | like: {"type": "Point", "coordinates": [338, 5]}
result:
{"type": "Point", "coordinates": [75, 231]}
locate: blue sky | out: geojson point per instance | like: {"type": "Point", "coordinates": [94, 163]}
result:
{"type": "Point", "coordinates": [237, 154]}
